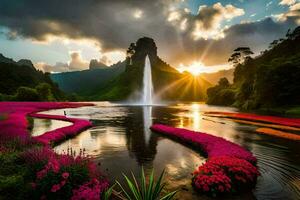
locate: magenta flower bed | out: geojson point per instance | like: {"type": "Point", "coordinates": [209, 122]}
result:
{"type": "Point", "coordinates": [229, 167]}
{"type": "Point", "coordinates": [61, 134]}
{"type": "Point", "coordinates": [212, 145]}
{"type": "Point", "coordinates": [15, 125]}
{"type": "Point", "coordinates": [57, 176]}
{"type": "Point", "coordinates": [64, 176]}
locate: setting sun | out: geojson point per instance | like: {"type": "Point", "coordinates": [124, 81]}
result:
{"type": "Point", "coordinates": [195, 68]}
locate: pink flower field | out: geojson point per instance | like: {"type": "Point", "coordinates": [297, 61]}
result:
{"type": "Point", "coordinates": [50, 175]}
{"type": "Point", "coordinates": [16, 123]}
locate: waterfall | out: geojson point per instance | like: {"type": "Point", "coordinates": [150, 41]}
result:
{"type": "Point", "coordinates": [147, 83]}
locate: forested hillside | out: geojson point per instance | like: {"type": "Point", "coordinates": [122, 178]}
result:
{"type": "Point", "coordinates": [86, 83]}
{"type": "Point", "coordinates": [272, 79]}
{"type": "Point", "coordinates": [20, 81]}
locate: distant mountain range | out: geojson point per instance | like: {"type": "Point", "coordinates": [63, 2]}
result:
{"type": "Point", "coordinates": [87, 82]}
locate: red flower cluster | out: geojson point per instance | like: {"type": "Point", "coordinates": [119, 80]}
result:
{"type": "Point", "coordinates": [90, 190]}
{"type": "Point", "coordinates": [224, 174]}
{"type": "Point", "coordinates": [229, 168]}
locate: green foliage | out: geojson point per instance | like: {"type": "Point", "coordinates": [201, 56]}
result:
{"type": "Point", "coordinates": [295, 111]}
{"type": "Point", "coordinates": [268, 81]}
{"type": "Point", "coordinates": [145, 191]}
{"type": "Point", "coordinates": [221, 94]}
{"type": "Point", "coordinates": [25, 83]}
{"type": "Point", "coordinates": [87, 82]}
{"type": "Point", "coordinates": [12, 172]}
{"type": "Point", "coordinates": [26, 94]}
{"type": "Point", "coordinates": [240, 55]}
{"type": "Point", "coordinates": [44, 91]}
{"type": "Point", "coordinates": [108, 193]}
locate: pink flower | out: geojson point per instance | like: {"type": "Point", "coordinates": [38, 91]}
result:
{"type": "Point", "coordinates": [65, 175]}
{"type": "Point", "coordinates": [55, 188]}
{"type": "Point", "coordinates": [62, 183]}
{"type": "Point", "coordinates": [90, 190]}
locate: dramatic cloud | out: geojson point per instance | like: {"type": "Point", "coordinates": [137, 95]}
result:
{"type": "Point", "coordinates": [181, 35]}
{"type": "Point", "coordinates": [58, 67]}
{"type": "Point", "coordinates": [287, 2]}
{"type": "Point", "coordinates": [293, 13]}
{"type": "Point", "coordinates": [256, 35]}
{"type": "Point", "coordinates": [207, 23]}
{"type": "Point", "coordinates": [75, 64]}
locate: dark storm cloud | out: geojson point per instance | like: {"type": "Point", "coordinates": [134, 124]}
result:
{"type": "Point", "coordinates": [114, 25]}
{"type": "Point", "coordinates": [112, 22]}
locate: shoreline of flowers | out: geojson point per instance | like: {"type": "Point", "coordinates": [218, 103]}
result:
{"type": "Point", "coordinates": [293, 122]}
{"type": "Point", "coordinates": [32, 168]}
{"type": "Point", "coordinates": [60, 134]}
{"type": "Point", "coordinates": [230, 168]}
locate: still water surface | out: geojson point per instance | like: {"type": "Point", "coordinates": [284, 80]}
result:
{"type": "Point", "coordinates": [122, 142]}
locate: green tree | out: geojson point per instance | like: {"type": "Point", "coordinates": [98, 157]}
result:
{"type": "Point", "coordinates": [240, 55]}
{"type": "Point", "coordinates": [130, 51]}
{"type": "Point", "coordinates": [223, 82]}
{"type": "Point", "coordinates": [44, 92]}
{"type": "Point", "coordinates": [27, 94]}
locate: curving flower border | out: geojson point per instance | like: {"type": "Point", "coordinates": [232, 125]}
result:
{"type": "Point", "coordinates": [61, 134]}
{"type": "Point", "coordinates": [15, 125]}
{"type": "Point", "coordinates": [229, 167]}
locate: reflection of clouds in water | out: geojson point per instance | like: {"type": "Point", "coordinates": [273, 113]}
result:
{"type": "Point", "coordinates": [147, 114]}
{"type": "Point", "coordinates": [96, 141]}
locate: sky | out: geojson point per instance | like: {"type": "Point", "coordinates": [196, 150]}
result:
{"type": "Point", "coordinates": [64, 35]}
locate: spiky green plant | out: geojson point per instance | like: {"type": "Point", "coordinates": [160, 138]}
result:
{"type": "Point", "coordinates": [107, 194]}
{"type": "Point", "coordinates": [144, 191]}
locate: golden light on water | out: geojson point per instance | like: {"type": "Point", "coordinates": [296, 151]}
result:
{"type": "Point", "coordinates": [196, 116]}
